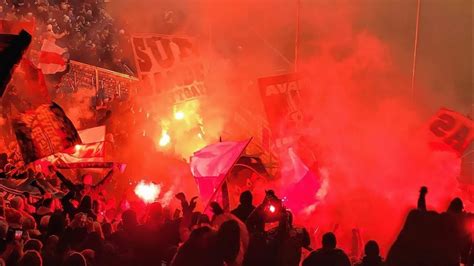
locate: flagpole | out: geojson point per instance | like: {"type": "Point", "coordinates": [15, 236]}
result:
{"type": "Point", "coordinates": [225, 176]}
{"type": "Point", "coordinates": [297, 34]}
{"type": "Point", "coordinates": [417, 26]}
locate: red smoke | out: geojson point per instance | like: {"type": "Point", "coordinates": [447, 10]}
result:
{"type": "Point", "coordinates": [363, 126]}
{"type": "Point", "coordinates": [369, 136]}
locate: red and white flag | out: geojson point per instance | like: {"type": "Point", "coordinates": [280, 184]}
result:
{"type": "Point", "coordinates": [92, 148]}
{"type": "Point", "coordinates": [211, 164]}
{"type": "Point", "coordinates": [91, 152]}
{"type": "Point", "coordinates": [51, 60]}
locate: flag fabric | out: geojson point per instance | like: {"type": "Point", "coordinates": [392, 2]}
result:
{"type": "Point", "coordinates": [89, 154]}
{"type": "Point", "coordinates": [451, 131]}
{"type": "Point", "coordinates": [169, 65]}
{"type": "Point", "coordinates": [280, 98]}
{"type": "Point", "coordinates": [44, 131]}
{"type": "Point", "coordinates": [92, 135]}
{"type": "Point", "coordinates": [30, 84]}
{"type": "Point", "coordinates": [12, 48]}
{"type": "Point", "coordinates": [51, 60]}
{"type": "Point", "coordinates": [302, 183]}
{"type": "Point", "coordinates": [16, 26]}
{"type": "Point", "coordinates": [211, 164]}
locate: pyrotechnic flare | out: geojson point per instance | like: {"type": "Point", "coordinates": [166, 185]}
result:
{"type": "Point", "coordinates": [148, 192]}
{"type": "Point", "coordinates": [165, 138]}
{"type": "Point", "coordinates": [179, 115]}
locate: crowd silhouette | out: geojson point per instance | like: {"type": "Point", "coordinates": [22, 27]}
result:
{"type": "Point", "coordinates": [59, 232]}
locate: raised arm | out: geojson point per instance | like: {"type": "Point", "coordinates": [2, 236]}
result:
{"type": "Point", "coordinates": [104, 180]}
{"type": "Point", "coordinates": [422, 199]}
{"type": "Point", "coordinates": [68, 183]}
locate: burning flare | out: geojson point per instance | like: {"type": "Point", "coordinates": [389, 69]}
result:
{"type": "Point", "coordinates": [165, 138]}
{"type": "Point", "coordinates": [148, 192]}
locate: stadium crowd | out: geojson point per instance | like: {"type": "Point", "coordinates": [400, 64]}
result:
{"type": "Point", "coordinates": [84, 28]}
{"type": "Point", "coordinates": [82, 228]}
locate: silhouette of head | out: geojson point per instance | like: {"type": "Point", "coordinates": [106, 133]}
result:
{"type": "Point", "coordinates": [372, 249]}
{"type": "Point", "coordinates": [456, 206]}
{"type": "Point", "coordinates": [329, 241]}
{"type": "Point", "coordinates": [228, 240]}
{"type": "Point", "coordinates": [31, 258]}
{"type": "Point", "coordinates": [75, 259]}
{"type": "Point", "coordinates": [86, 203]}
{"type": "Point", "coordinates": [246, 198]}
{"type": "Point", "coordinates": [17, 203]}
{"type": "Point", "coordinates": [129, 219]}
{"type": "Point", "coordinates": [33, 244]}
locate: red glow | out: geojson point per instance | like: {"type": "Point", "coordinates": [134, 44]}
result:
{"type": "Point", "coordinates": [272, 209]}
{"type": "Point", "coordinates": [148, 192]}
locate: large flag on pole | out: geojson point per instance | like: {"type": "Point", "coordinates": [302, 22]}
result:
{"type": "Point", "coordinates": [51, 60]}
{"type": "Point", "coordinates": [211, 165]}
{"type": "Point", "coordinates": [44, 131]}
{"type": "Point", "coordinates": [12, 48]}
{"type": "Point", "coordinates": [451, 131]}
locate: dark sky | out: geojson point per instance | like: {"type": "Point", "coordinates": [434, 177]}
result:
{"type": "Point", "coordinates": [445, 47]}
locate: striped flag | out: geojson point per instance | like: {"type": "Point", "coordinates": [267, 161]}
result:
{"type": "Point", "coordinates": [51, 60]}
{"type": "Point", "coordinates": [89, 154]}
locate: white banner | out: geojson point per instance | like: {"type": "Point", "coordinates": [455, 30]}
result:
{"type": "Point", "coordinates": [169, 64]}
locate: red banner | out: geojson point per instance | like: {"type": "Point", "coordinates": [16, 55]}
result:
{"type": "Point", "coordinates": [452, 130]}
{"type": "Point", "coordinates": [280, 97]}
{"type": "Point", "coordinates": [44, 131]}
{"type": "Point", "coordinates": [85, 165]}
{"type": "Point", "coordinates": [169, 64]}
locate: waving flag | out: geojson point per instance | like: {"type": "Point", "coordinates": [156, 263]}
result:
{"type": "Point", "coordinates": [12, 48]}
{"type": "Point", "coordinates": [51, 60]}
{"type": "Point", "coordinates": [211, 164]}
{"type": "Point", "coordinates": [44, 131]}
{"type": "Point", "coordinates": [302, 185]}
{"type": "Point", "coordinates": [451, 131]}
{"type": "Point", "coordinates": [89, 154]}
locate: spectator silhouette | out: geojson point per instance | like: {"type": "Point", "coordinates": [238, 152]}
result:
{"type": "Point", "coordinates": [372, 255]}
{"type": "Point", "coordinates": [245, 207]}
{"type": "Point", "coordinates": [33, 244]}
{"type": "Point", "coordinates": [199, 249]}
{"type": "Point", "coordinates": [31, 258]}
{"type": "Point", "coordinates": [328, 255]}
{"type": "Point", "coordinates": [228, 241]}
{"type": "Point", "coordinates": [86, 207]}
{"type": "Point", "coordinates": [75, 259]}
{"type": "Point", "coordinates": [288, 240]}
{"type": "Point", "coordinates": [430, 238]}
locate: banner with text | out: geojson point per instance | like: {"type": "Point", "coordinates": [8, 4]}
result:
{"type": "Point", "coordinates": [280, 97]}
{"type": "Point", "coordinates": [452, 130]}
{"type": "Point", "coordinates": [169, 65]}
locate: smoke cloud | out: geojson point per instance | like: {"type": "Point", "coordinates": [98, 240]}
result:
{"type": "Point", "coordinates": [364, 124]}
